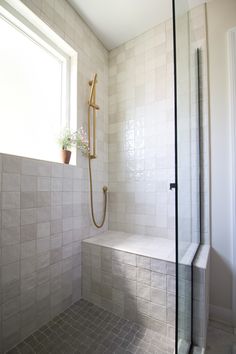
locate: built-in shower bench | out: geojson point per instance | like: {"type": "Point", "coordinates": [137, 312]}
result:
{"type": "Point", "coordinates": [133, 276]}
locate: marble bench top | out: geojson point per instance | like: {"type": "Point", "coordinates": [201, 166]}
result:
{"type": "Point", "coordinates": [149, 246]}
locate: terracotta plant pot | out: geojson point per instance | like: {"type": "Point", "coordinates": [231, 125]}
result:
{"type": "Point", "coordinates": [65, 156]}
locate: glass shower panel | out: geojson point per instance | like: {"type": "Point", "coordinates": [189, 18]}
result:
{"type": "Point", "coordinates": [187, 170]}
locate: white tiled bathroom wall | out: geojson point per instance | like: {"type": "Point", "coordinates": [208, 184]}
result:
{"type": "Point", "coordinates": [141, 134]}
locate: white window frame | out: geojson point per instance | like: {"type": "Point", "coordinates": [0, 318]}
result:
{"type": "Point", "coordinates": [24, 20]}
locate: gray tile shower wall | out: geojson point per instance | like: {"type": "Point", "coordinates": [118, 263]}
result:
{"type": "Point", "coordinates": [44, 206]}
{"type": "Point", "coordinates": [42, 224]}
{"type": "Point", "coordinates": [141, 128]}
{"type": "Point", "coordinates": [43, 220]}
{"type": "Point", "coordinates": [141, 140]}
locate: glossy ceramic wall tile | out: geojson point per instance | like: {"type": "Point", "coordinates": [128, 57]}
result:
{"type": "Point", "coordinates": [141, 134]}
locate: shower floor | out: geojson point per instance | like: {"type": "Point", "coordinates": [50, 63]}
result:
{"type": "Point", "coordinates": [86, 328]}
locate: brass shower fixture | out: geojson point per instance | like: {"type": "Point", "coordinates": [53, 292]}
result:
{"type": "Point", "coordinates": [92, 149]}
{"type": "Point", "coordinates": [92, 104]}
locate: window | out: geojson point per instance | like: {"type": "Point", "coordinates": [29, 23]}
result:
{"type": "Point", "coordinates": [34, 92]}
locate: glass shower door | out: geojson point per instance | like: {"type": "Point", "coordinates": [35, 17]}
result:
{"type": "Point", "coordinates": [187, 138]}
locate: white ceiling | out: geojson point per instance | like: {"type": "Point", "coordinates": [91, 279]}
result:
{"type": "Point", "coordinates": [116, 21]}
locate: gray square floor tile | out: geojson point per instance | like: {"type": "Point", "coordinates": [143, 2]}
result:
{"type": "Point", "coordinates": [87, 329]}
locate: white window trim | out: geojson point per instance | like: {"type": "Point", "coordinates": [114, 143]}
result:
{"type": "Point", "coordinates": [21, 17]}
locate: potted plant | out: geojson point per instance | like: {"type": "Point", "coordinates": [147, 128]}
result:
{"type": "Point", "coordinates": [65, 141]}
{"type": "Point", "coordinates": [68, 140]}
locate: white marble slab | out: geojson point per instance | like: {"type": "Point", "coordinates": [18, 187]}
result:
{"type": "Point", "coordinates": [201, 259]}
{"type": "Point", "coordinates": [148, 246]}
